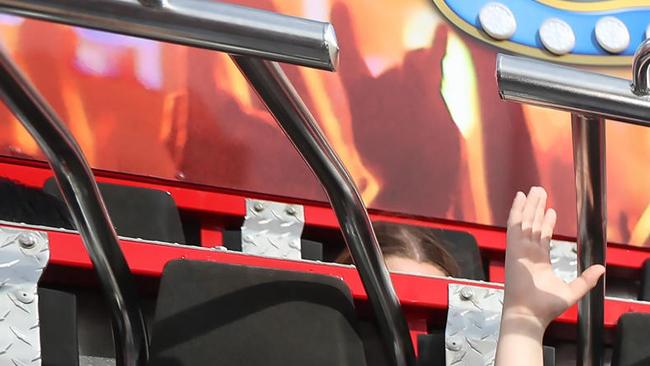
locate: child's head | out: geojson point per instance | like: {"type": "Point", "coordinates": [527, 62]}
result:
{"type": "Point", "coordinates": [411, 249]}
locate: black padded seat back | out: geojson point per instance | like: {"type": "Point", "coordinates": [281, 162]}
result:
{"type": "Point", "coordinates": [138, 212]}
{"type": "Point", "coordinates": [644, 291]}
{"type": "Point", "coordinates": [58, 326]}
{"type": "Point", "coordinates": [218, 314]}
{"type": "Point", "coordinates": [465, 250]}
{"type": "Point", "coordinates": [631, 343]}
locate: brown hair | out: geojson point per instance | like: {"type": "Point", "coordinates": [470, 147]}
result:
{"type": "Point", "coordinates": [412, 242]}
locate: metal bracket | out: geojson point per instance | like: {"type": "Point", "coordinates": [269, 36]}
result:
{"type": "Point", "coordinates": [272, 229]}
{"type": "Point", "coordinates": [23, 256]}
{"type": "Point", "coordinates": [473, 322]}
{"type": "Point", "coordinates": [564, 259]}
{"type": "Point", "coordinates": [95, 361]}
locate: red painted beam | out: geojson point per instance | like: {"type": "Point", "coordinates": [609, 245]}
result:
{"type": "Point", "coordinates": [215, 203]}
{"type": "Point", "coordinates": [420, 294]}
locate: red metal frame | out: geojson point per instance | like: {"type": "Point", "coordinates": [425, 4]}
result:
{"type": "Point", "coordinates": [422, 297]}
{"type": "Point", "coordinates": [214, 205]}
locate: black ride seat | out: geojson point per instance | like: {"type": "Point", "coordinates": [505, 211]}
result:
{"type": "Point", "coordinates": [58, 326]}
{"type": "Point", "coordinates": [631, 342]}
{"type": "Point", "coordinates": [138, 212]}
{"type": "Point", "coordinates": [465, 250]}
{"type": "Point", "coordinates": [212, 313]}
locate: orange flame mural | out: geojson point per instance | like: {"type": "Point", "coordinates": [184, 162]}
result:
{"type": "Point", "coordinates": [413, 112]}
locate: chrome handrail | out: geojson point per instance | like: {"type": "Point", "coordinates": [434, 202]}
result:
{"type": "Point", "coordinates": [641, 68]}
{"type": "Point", "coordinates": [266, 36]}
{"type": "Point", "coordinates": [590, 97]}
{"type": "Point", "coordinates": [588, 135]}
{"type": "Point", "coordinates": [549, 85]}
{"type": "Point", "coordinates": [281, 98]}
{"type": "Point", "coordinates": [77, 184]}
{"type": "Point", "coordinates": [207, 24]}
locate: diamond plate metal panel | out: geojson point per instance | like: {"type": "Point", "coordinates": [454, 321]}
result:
{"type": "Point", "coordinates": [473, 322]}
{"type": "Point", "coordinates": [272, 229]}
{"type": "Point", "coordinates": [23, 256]}
{"type": "Point", "coordinates": [564, 259]}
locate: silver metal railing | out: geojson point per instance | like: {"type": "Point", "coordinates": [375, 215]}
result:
{"type": "Point", "coordinates": [79, 189]}
{"type": "Point", "coordinates": [549, 85]}
{"type": "Point", "coordinates": [280, 97]}
{"type": "Point", "coordinates": [590, 97]}
{"type": "Point", "coordinates": [199, 23]}
{"type": "Point", "coordinates": [256, 39]}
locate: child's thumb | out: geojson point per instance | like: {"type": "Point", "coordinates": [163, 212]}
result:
{"type": "Point", "coordinates": [585, 282]}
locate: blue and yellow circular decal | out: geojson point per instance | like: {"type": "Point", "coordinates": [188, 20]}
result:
{"type": "Point", "coordinates": [582, 17]}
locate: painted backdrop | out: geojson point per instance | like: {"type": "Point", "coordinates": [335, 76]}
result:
{"type": "Point", "coordinates": [413, 112]}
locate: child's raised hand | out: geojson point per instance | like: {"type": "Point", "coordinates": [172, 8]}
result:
{"type": "Point", "coordinates": [534, 295]}
{"type": "Point", "coordinates": [532, 290]}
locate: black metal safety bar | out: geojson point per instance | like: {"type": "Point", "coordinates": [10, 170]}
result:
{"type": "Point", "coordinates": [590, 97]}
{"type": "Point", "coordinates": [267, 35]}
{"type": "Point", "coordinates": [79, 189]}
{"type": "Point", "coordinates": [281, 98]}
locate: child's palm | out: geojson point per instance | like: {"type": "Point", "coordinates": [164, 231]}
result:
{"type": "Point", "coordinates": [532, 288]}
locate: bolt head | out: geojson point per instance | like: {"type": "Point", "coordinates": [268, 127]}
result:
{"type": "Point", "coordinates": [455, 343]}
{"type": "Point", "coordinates": [258, 207]}
{"type": "Point", "coordinates": [24, 296]}
{"type": "Point", "coordinates": [26, 241]}
{"type": "Point", "coordinates": [291, 211]}
{"type": "Point", "coordinates": [466, 293]}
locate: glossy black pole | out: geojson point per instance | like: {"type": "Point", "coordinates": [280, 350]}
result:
{"type": "Point", "coordinates": [591, 193]}
{"type": "Point", "coordinates": [80, 191]}
{"type": "Point", "coordinates": [277, 92]}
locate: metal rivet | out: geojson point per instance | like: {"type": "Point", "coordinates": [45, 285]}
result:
{"type": "Point", "coordinates": [24, 296]}
{"type": "Point", "coordinates": [258, 207]}
{"type": "Point", "coordinates": [466, 293]}
{"type": "Point", "coordinates": [497, 21]}
{"type": "Point", "coordinates": [557, 36]}
{"type": "Point", "coordinates": [291, 211]}
{"type": "Point", "coordinates": [26, 241]}
{"type": "Point", "coordinates": [180, 176]}
{"type": "Point", "coordinates": [612, 34]}
{"type": "Point", "coordinates": [454, 343]}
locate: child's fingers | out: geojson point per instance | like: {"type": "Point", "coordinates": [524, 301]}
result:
{"type": "Point", "coordinates": [547, 228]}
{"type": "Point", "coordinates": [585, 282]}
{"type": "Point", "coordinates": [538, 219]}
{"type": "Point", "coordinates": [517, 208]}
{"type": "Point", "coordinates": [528, 214]}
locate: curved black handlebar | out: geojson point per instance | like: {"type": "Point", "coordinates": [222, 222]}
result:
{"type": "Point", "coordinates": [80, 192]}
{"type": "Point", "coordinates": [277, 92]}
{"type": "Point", "coordinates": [302, 42]}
